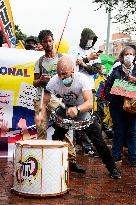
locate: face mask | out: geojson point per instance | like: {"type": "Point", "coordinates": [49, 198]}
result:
{"type": "Point", "coordinates": [67, 81]}
{"type": "Point", "coordinates": [129, 59]}
{"type": "Point", "coordinates": [29, 47]}
{"type": "Point", "coordinates": [89, 44]}
{"type": "Point", "coordinates": [103, 71]}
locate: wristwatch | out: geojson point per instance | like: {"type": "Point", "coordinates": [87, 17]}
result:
{"type": "Point", "coordinates": [78, 110]}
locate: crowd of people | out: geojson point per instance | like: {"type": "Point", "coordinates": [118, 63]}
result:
{"type": "Point", "coordinates": [66, 83]}
{"type": "Point", "coordinates": [71, 78]}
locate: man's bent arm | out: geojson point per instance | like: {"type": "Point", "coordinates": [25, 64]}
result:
{"type": "Point", "coordinates": [88, 101]}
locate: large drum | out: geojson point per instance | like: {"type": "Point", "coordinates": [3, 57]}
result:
{"type": "Point", "coordinates": [41, 168]}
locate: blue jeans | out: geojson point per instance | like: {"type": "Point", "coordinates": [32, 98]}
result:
{"type": "Point", "coordinates": [124, 127]}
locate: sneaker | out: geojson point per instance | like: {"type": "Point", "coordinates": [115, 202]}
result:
{"type": "Point", "coordinates": [90, 152]}
{"type": "Point", "coordinates": [115, 174]}
{"type": "Point", "coordinates": [93, 153]}
{"type": "Point", "coordinates": [74, 167]}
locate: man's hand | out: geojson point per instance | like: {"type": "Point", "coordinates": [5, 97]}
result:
{"type": "Point", "coordinates": [72, 112]}
{"type": "Point", "coordinates": [44, 78]}
{"type": "Point", "coordinates": [92, 56]}
{"type": "Point", "coordinates": [131, 79]}
{"type": "Point", "coordinates": [81, 62]}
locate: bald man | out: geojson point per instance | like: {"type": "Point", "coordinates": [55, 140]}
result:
{"type": "Point", "coordinates": [76, 91]}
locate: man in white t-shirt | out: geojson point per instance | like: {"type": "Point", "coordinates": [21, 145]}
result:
{"type": "Point", "coordinates": [76, 91]}
{"type": "Point", "coordinates": [85, 54]}
{"type": "Point", "coordinates": [86, 60]}
{"type": "Point", "coordinates": [45, 68]}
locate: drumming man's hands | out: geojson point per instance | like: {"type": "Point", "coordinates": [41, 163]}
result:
{"type": "Point", "coordinates": [72, 112]}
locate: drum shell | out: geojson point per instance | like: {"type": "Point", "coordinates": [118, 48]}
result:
{"type": "Point", "coordinates": [41, 169]}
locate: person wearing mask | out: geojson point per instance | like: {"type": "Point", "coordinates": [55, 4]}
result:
{"type": "Point", "coordinates": [76, 92]}
{"type": "Point", "coordinates": [86, 59]}
{"type": "Point", "coordinates": [124, 123]}
{"type": "Point", "coordinates": [30, 43]}
{"type": "Point", "coordinates": [44, 69]}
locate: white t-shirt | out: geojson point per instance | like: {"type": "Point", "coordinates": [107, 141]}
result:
{"type": "Point", "coordinates": [71, 95]}
{"type": "Point", "coordinates": [77, 52]}
{"type": "Point", "coordinates": [50, 65]}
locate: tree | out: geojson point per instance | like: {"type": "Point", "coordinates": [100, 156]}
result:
{"type": "Point", "coordinates": [19, 34]}
{"type": "Point", "coordinates": [125, 12]}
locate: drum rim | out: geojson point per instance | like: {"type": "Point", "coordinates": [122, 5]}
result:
{"type": "Point", "coordinates": [38, 195]}
{"type": "Point", "coordinates": [41, 145]}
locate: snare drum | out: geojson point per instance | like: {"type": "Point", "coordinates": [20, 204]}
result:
{"type": "Point", "coordinates": [41, 168]}
{"type": "Point", "coordinates": [82, 121]}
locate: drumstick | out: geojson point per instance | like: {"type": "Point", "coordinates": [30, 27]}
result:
{"type": "Point", "coordinates": [40, 112]}
{"type": "Point", "coordinates": [58, 101]}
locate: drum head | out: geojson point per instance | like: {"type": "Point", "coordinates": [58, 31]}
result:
{"type": "Point", "coordinates": [41, 143]}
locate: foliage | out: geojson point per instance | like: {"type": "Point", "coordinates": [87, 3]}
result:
{"type": "Point", "coordinates": [125, 12]}
{"type": "Point", "coordinates": [20, 35]}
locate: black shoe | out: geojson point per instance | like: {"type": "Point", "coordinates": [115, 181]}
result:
{"type": "Point", "coordinates": [74, 167]}
{"type": "Point", "coordinates": [90, 152]}
{"type": "Point", "coordinates": [93, 153]}
{"type": "Point", "coordinates": [115, 174]}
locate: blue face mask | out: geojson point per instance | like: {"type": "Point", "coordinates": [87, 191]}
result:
{"type": "Point", "coordinates": [67, 81]}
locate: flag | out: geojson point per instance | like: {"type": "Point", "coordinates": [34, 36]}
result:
{"type": "Point", "coordinates": [7, 23]}
{"type": "Point", "coordinates": [20, 45]}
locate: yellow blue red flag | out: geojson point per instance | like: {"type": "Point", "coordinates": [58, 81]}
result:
{"type": "Point", "coordinates": [7, 23]}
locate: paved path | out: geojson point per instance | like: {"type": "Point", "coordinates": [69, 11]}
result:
{"type": "Point", "coordinates": [93, 188]}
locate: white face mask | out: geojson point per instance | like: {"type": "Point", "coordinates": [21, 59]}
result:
{"type": "Point", "coordinates": [89, 44]}
{"type": "Point", "coordinates": [129, 59]}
